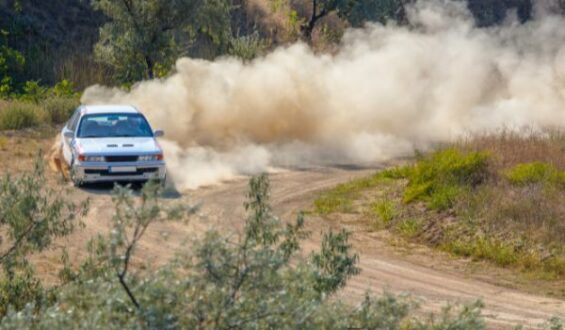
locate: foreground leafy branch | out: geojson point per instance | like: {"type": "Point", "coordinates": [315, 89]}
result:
{"type": "Point", "coordinates": [32, 215]}
{"type": "Point", "coordinates": [259, 281]}
{"type": "Point", "coordinates": [130, 221]}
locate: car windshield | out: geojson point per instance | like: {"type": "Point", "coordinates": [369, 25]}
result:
{"type": "Point", "coordinates": [114, 125]}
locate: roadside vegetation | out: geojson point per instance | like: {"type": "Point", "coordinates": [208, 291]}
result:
{"type": "Point", "coordinates": [115, 42]}
{"type": "Point", "coordinates": [260, 280]}
{"type": "Point", "coordinates": [497, 197]}
{"type": "Point", "coordinates": [51, 47]}
{"type": "Point", "coordinates": [38, 105]}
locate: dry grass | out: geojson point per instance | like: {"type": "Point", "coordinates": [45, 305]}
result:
{"type": "Point", "coordinates": [18, 115]}
{"type": "Point", "coordinates": [514, 216]}
{"type": "Point", "coordinates": [508, 149]}
{"type": "Point", "coordinates": [83, 70]}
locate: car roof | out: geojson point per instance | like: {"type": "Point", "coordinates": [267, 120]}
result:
{"type": "Point", "coordinates": [107, 108]}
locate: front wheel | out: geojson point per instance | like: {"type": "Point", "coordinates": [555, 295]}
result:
{"type": "Point", "coordinates": [76, 182]}
{"type": "Point", "coordinates": [162, 182]}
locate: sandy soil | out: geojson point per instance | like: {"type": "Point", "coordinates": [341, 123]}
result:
{"type": "Point", "coordinates": [431, 277]}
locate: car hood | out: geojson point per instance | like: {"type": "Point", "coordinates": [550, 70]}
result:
{"type": "Point", "coordinates": [110, 146]}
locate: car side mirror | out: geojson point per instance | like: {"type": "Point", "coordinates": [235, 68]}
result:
{"type": "Point", "coordinates": [158, 133]}
{"type": "Point", "coordinates": [69, 134]}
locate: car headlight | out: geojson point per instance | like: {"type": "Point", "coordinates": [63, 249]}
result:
{"type": "Point", "coordinates": [84, 158]}
{"type": "Point", "coordinates": [148, 158]}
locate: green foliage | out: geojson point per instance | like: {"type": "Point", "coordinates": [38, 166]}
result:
{"type": "Point", "coordinates": [409, 227]}
{"type": "Point", "coordinates": [130, 222]}
{"type": "Point", "coordinates": [293, 20]}
{"type": "Point", "coordinates": [64, 89]}
{"type": "Point", "coordinates": [36, 104]}
{"type": "Point", "coordinates": [211, 28]}
{"type": "Point", "coordinates": [466, 318]}
{"type": "Point", "coordinates": [504, 253]}
{"type": "Point", "coordinates": [333, 263]}
{"type": "Point", "coordinates": [555, 323]}
{"type": "Point", "coordinates": [18, 115]}
{"type": "Point", "coordinates": [444, 196]}
{"type": "Point", "coordinates": [31, 215]}
{"type": "Point", "coordinates": [484, 248]}
{"type": "Point", "coordinates": [508, 216]}
{"type": "Point", "coordinates": [141, 35]}
{"type": "Point", "coordinates": [487, 12]}
{"type": "Point", "coordinates": [356, 12]}
{"type": "Point", "coordinates": [385, 210]}
{"type": "Point", "coordinates": [11, 62]}
{"type": "Point", "coordinates": [363, 11]}
{"type": "Point", "coordinates": [19, 290]}
{"type": "Point", "coordinates": [536, 172]}
{"type": "Point", "coordinates": [34, 92]}
{"type": "Point", "coordinates": [439, 179]}
{"type": "Point", "coordinates": [397, 172]}
{"type": "Point", "coordinates": [340, 198]}
{"type": "Point", "coordinates": [247, 47]}
{"type": "Point", "coordinates": [218, 282]}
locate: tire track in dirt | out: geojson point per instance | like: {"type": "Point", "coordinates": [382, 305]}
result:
{"type": "Point", "coordinates": [382, 267]}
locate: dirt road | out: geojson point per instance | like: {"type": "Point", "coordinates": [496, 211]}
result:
{"type": "Point", "coordinates": [433, 278]}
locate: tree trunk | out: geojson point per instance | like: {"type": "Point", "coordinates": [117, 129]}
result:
{"type": "Point", "coordinates": [307, 32]}
{"type": "Point", "coordinates": [150, 66]}
{"type": "Point", "coordinates": [308, 28]}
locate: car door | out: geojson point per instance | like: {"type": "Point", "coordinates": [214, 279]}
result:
{"type": "Point", "coordinates": [67, 142]}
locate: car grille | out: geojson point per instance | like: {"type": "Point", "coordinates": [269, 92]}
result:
{"type": "Point", "coordinates": [121, 158]}
{"type": "Point", "coordinates": [140, 171]}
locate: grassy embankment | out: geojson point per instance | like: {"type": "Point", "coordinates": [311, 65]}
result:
{"type": "Point", "coordinates": [499, 198]}
{"type": "Point", "coordinates": [38, 105]}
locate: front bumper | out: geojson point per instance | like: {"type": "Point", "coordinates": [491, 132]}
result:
{"type": "Point", "coordinates": [118, 171]}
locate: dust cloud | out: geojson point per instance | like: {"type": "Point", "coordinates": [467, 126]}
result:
{"type": "Point", "coordinates": [387, 92]}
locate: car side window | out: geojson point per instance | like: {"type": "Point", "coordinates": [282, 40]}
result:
{"type": "Point", "coordinates": [74, 120]}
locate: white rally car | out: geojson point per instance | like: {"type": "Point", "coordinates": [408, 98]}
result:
{"type": "Point", "coordinates": [110, 143]}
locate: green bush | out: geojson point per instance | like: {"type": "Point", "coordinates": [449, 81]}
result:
{"type": "Point", "coordinates": [536, 172]}
{"type": "Point", "coordinates": [19, 290]}
{"type": "Point", "coordinates": [32, 215]}
{"type": "Point", "coordinates": [506, 254]}
{"type": "Point", "coordinates": [385, 210]}
{"type": "Point", "coordinates": [64, 88]}
{"type": "Point", "coordinates": [34, 92]}
{"type": "Point", "coordinates": [259, 281]}
{"type": "Point", "coordinates": [11, 63]}
{"type": "Point", "coordinates": [247, 47]}
{"type": "Point", "coordinates": [444, 196]}
{"type": "Point", "coordinates": [439, 179]}
{"type": "Point", "coordinates": [485, 248]}
{"type": "Point", "coordinates": [60, 109]}
{"type": "Point", "coordinates": [18, 115]}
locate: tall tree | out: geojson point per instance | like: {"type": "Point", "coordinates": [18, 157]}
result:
{"type": "Point", "coordinates": [356, 12]}
{"type": "Point", "coordinates": [491, 12]}
{"type": "Point", "coordinates": [144, 33]}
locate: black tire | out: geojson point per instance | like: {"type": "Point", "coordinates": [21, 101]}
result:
{"type": "Point", "coordinates": [163, 182]}
{"type": "Point", "coordinates": [76, 183]}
